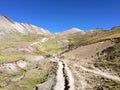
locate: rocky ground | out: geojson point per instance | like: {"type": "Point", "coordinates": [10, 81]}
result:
{"type": "Point", "coordinates": [87, 76]}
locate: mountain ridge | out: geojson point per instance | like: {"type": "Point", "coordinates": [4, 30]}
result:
{"type": "Point", "coordinates": [23, 28]}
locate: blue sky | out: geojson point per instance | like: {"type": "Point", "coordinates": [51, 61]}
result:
{"type": "Point", "coordinates": [60, 15]}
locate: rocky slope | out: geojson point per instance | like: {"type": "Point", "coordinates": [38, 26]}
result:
{"type": "Point", "coordinates": [8, 26]}
{"type": "Point", "coordinates": [94, 61]}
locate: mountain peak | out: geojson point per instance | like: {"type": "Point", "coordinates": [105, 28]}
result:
{"type": "Point", "coordinates": [77, 29]}
{"type": "Point", "coordinates": [72, 31]}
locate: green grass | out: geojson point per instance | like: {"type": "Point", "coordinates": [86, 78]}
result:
{"type": "Point", "coordinates": [29, 82]}
{"type": "Point", "coordinates": [8, 54]}
{"type": "Point", "coordinates": [11, 75]}
{"type": "Point", "coordinates": [49, 47]}
{"type": "Point", "coordinates": [10, 57]}
{"type": "Point", "coordinates": [34, 77]}
{"type": "Point", "coordinates": [78, 40]}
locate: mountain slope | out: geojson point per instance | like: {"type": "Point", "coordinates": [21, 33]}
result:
{"type": "Point", "coordinates": [71, 32]}
{"type": "Point", "coordinates": [32, 58]}
{"type": "Point", "coordinates": [94, 61]}
{"type": "Point", "coordinates": [7, 25]}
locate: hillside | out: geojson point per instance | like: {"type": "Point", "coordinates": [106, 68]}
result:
{"type": "Point", "coordinates": [25, 52]}
{"type": "Point", "coordinates": [94, 60]}
{"type": "Point", "coordinates": [32, 58]}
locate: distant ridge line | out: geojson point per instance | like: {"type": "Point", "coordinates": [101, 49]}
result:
{"type": "Point", "coordinates": [9, 19]}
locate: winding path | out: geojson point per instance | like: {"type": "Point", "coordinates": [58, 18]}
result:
{"type": "Point", "coordinates": [60, 77]}
{"type": "Point", "coordinates": [70, 78]}
{"type": "Point", "coordinates": [100, 73]}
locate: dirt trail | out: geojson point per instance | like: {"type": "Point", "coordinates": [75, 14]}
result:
{"type": "Point", "coordinates": [60, 77]}
{"type": "Point", "coordinates": [65, 80]}
{"type": "Point", "coordinates": [100, 73]}
{"type": "Point", "coordinates": [70, 78]}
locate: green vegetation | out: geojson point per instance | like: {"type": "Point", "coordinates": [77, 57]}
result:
{"type": "Point", "coordinates": [51, 46]}
{"type": "Point", "coordinates": [10, 75]}
{"type": "Point", "coordinates": [39, 73]}
{"type": "Point", "coordinates": [10, 57]}
{"type": "Point", "coordinates": [96, 36]}
{"type": "Point", "coordinates": [33, 77]}
{"type": "Point", "coordinates": [35, 74]}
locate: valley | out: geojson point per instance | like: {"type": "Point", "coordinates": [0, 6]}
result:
{"type": "Point", "coordinates": [32, 58]}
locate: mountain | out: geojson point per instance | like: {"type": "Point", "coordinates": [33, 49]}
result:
{"type": "Point", "coordinates": [7, 26]}
{"type": "Point", "coordinates": [32, 58]}
{"type": "Point", "coordinates": [71, 32]}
